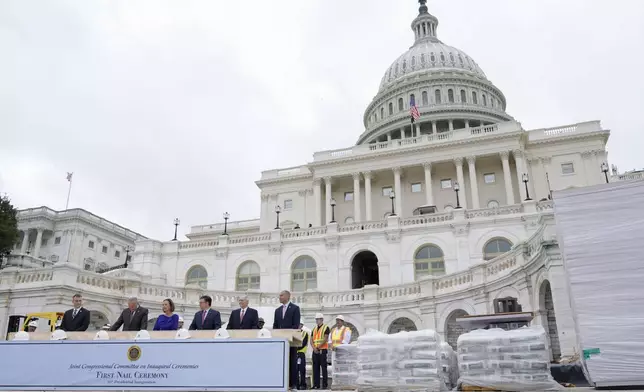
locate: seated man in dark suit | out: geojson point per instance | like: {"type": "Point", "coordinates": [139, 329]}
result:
{"type": "Point", "coordinates": [77, 318]}
{"type": "Point", "coordinates": [287, 316]}
{"type": "Point", "coordinates": [244, 317]}
{"type": "Point", "coordinates": [133, 318]}
{"type": "Point", "coordinates": [206, 318]}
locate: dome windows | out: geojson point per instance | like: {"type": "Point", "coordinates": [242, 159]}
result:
{"type": "Point", "coordinates": [450, 95]}
{"type": "Point", "coordinates": [404, 66]}
{"type": "Point", "coordinates": [432, 57]}
{"type": "Point", "coordinates": [437, 96]}
{"type": "Point", "coordinates": [390, 70]}
{"type": "Point", "coordinates": [400, 105]}
{"type": "Point", "coordinates": [423, 60]}
{"type": "Point", "coordinates": [460, 58]}
{"type": "Point", "coordinates": [484, 100]}
{"type": "Point", "coordinates": [442, 57]}
{"type": "Point", "coordinates": [396, 70]}
{"type": "Point", "coordinates": [475, 99]}
{"type": "Point", "coordinates": [425, 99]}
{"type": "Point", "coordinates": [391, 108]}
{"type": "Point", "coordinates": [382, 113]}
{"type": "Point", "coordinates": [451, 57]}
{"type": "Point", "coordinates": [413, 62]}
{"type": "Point", "coordinates": [463, 96]}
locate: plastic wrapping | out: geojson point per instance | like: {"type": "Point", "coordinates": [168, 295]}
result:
{"type": "Point", "coordinates": [344, 367]}
{"type": "Point", "coordinates": [449, 361]}
{"type": "Point", "coordinates": [517, 360]}
{"type": "Point", "coordinates": [601, 236]}
{"type": "Point", "coordinates": [406, 361]}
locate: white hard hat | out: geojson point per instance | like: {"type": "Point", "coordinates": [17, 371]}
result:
{"type": "Point", "coordinates": [142, 335]}
{"type": "Point", "coordinates": [340, 317]}
{"type": "Point", "coordinates": [264, 333]}
{"type": "Point", "coordinates": [180, 319]}
{"type": "Point", "coordinates": [319, 316]}
{"type": "Point", "coordinates": [58, 334]}
{"type": "Point", "coordinates": [182, 334]}
{"type": "Point", "coordinates": [33, 323]}
{"type": "Point", "coordinates": [222, 333]}
{"type": "Point", "coordinates": [22, 335]}
{"type": "Point", "coordinates": [102, 335]}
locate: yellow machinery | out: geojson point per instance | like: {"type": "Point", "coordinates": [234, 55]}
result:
{"type": "Point", "coordinates": [47, 322]}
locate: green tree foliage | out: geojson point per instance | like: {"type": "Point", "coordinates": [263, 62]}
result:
{"type": "Point", "coordinates": [9, 233]}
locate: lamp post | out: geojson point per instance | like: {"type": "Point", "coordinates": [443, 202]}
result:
{"type": "Point", "coordinates": [333, 203]}
{"type": "Point", "coordinates": [176, 224]}
{"type": "Point", "coordinates": [456, 189]}
{"type": "Point", "coordinates": [278, 210]}
{"type": "Point", "coordinates": [605, 170]}
{"type": "Point", "coordinates": [525, 180]}
{"type": "Point", "coordinates": [226, 217]}
{"type": "Point", "coordinates": [392, 196]}
{"type": "Point", "coordinates": [128, 249]}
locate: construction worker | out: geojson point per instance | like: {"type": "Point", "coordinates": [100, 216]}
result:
{"type": "Point", "coordinates": [320, 346]}
{"type": "Point", "coordinates": [340, 334]}
{"type": "Point", "coordinates": [301, 358]}
{"type": "Point", "coordinates": [260, 323]}
{"type": "Point", "coordinates": [32, 326]}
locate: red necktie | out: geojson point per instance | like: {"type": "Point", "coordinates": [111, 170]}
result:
{"type": "Point", "coordinates": [241, 317]}
{"type": "Point", "coordinates": [203, 317]}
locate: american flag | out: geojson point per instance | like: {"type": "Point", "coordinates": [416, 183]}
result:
{"type": "Point", "coordinates": [413, 110]}
{"type": "Point", "coordinates": [69, 176]}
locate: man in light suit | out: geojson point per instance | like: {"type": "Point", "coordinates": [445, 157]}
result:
{"type": "Point", "coordinates": [206, 318]}
{"type": "Point", "coordinates": [133, 318]}
{"type": "Point", "coordinates": [287, 316]}
{"type": "Point", "coordinates": [77, 318]}
{"type": "Point", "coordinates": [244, 317]}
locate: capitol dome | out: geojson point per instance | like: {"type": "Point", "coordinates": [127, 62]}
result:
{"type": "Point", "coordinates": [450, 91]}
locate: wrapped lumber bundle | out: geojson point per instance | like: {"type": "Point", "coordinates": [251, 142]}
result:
{"type": "Point", "coordinates": [345, 367]}
{"type": "Point", "coordinates": [406, 361]}
{"type": "Point", "coordinates": [516, 360]}
{"type": "Point", "coordinates": [449, 361]}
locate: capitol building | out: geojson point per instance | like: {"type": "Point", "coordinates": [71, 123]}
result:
{"type": "Point", "coordinates": [418, 224]}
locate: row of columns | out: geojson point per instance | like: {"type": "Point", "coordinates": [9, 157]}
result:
{"type": "Point", "coordinates": [415, 130]}
{"type": "Point", "coordinates": [25, 242]}
{"type": "Point", "coordinates": [429, 195]}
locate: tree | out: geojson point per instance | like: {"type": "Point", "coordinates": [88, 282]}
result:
{"type": "Point", "coordinates": [9, 233]}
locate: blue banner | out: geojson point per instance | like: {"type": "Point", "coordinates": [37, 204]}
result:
{"type": "Point", "coordinates": [206, 365]}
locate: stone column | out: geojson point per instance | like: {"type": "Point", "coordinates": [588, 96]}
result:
{"type": "Point", "coordinates": [398, 189]}
{"type": "Point", "coordinates": [473, 182]}
{"type": "Point", "coordinates": [461, 182]}
{"type": "Point", "coordinates": [389, 136]}
{"type": "Point", "coordinates": [434, 128]}
{"type": "Point", "coordinates": [327, 207]}
{"type": "Point", "coordinates": [38, 242]}
{"type": "Point", "coordinates": [417, 130]}
{"type": "Point", "coordinates": [357, 213]}
{"type": "Point", "coordinates": [467, 124]}
{"type": "Point", "coordinates": [600, 157]}
{"type": "Point", "coordinates": [451, 125]}
{"type": "Point", "coordinates": [25, 242]}
{"type": "Point", "coordinates": [507, 178]}
{"type": "Point", "coordinates": [402, 133]}
{"type": "Point", "coordinates": [367, 195]}
{"type": "Point", "coordinates": [317, 196]}
{"type": "Point", "coordinates": [518, 158]}
{"type": "Point", "coordinates": [429, 194]}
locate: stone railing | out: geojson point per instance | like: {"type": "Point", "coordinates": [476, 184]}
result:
{"type": "Point", "coordinates": [245, 225]}
{"type": "Point", "coordinates": [247, 239]}
{"type": "Point", "coordinates": [498, 211]}
{"type": "Point", "coordinates": [632, 176]}
{"type": "Point", "coordinates": [429, 219]}
{"type": "Point", "coordinates": [566, 130]}
{"type": "Point", "coordinates": [363, 226]}
{"type": "Point", "coordinates": [206, 244]}
{"type": "Point", "coordinates": [544, 206]}
{"type": "Point", "coordinates": [304, 233]}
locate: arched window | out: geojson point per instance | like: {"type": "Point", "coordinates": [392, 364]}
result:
{"type": "Point", "coordinates": [391, 108]}
{"type": "Point", "coordinates": [248, 276]}
{"type": "Point", "coordinates": [432, 57]}
{"type": "Point", "coordinates": [437, 96]}
{"type": "Point", "coordinates": [463, 96]}
{"type": "Point", "coordinates": [475, 99]}
{"type": "Point", "coordinates": [429, 260]}
{"type": "Point", "coordinates": [304, 275]}
{"type": "Point", "coordinates": [496, 247]}
{"type": "Point", "coordinates": [493, 204]}
{"type": "Point", "coordinates": [396, 70]}
{"type": "Point", "coordinates": [442, 57]}
{"type": "Point", "coordinates": [484, 100]}
{"type": "Point", "coordinates": [413, 97]}
{"type": "Point", "coordinates": [413, 61]}
{"type": "Point", "coordinates": [448, 208]}
{"type": "Point", "coordinates": [375, 117]}
{"type": "Point", "coordinates": [382, 113]}
{"type": "Point", "coordinates": [460, 58]}
{"type": "Point", "coordinates": [400, 104]}
{"type": "Point", "coordinates": [450, 95]}
{"type": "Point", "coordinates": [197, 275]}
{"type": "Point", "coordinates": [451, 57]}
{"type": "Point", "coordinates": [425, 99]}
{"type": "Point", "coordinates": [422, 59]}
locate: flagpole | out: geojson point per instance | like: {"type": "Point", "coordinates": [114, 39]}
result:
{"type": "Point", "coordinates": [69, 191]}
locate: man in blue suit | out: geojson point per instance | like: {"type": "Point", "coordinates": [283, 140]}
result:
{"type": "Point", "coordinates": [244, 317]}
{"type": "Point", "coordinates": [287, 316]}
{"type": "Point", "coordinates": [206, 318]}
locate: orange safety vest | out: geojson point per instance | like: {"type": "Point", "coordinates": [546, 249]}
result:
{"type": "Point", "coordinates": [338, 336]}
{"type": "Point", "coordinates": [319, 341]}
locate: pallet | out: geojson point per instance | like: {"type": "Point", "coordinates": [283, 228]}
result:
{"type": "Point", "coordinates": [342, 388]}
{"type": "Point", "coordinates": [474, 388]}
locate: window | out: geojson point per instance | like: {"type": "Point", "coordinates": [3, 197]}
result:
{"type": "Point", "coordinates": [304, 274]}
{"type": "Point", "coordinates": [429, 260]}
{"type": "Point", "coordinates": [117, 254]}
{"type": "Point", "coordinates": [422, 59]}
{"type": "Point", "coordinates": [450, 95]}
{"type": "Point", "coordinates": [400, 104]}
{"type": "Point", "coordinates": [413, 61]}
{"type": "Point", "coordinates": [382, 113]}
{"type": "Point", "coordinates": [489, 178]}
{"type": "Point", "coordinates": [104, 249]}
{"type": "Point", "coordinates": [288, 204]}
{"type": "Point", "coordinates": [90, 244]}
{"type": "Point", "coordinates": [506, 305]}
{"type": "Point", "coordinates": [451, 57]}
{"type": "Point", "coordinates": [437, 96]}
{"type": "Point", "coordinates": [424, 98]}
{"type": "Point", "coordinates": [448, 208]}
{"type": "Point", "coordinates": [349, 220]}
{"type": "Point", "coordinates": [475, 99]}
{"type": "Point", "coordinates": [386, 191]}
{"type": "Point", "coordinates": [484, 100]}
{"type": "Point", "coordinates": [348, 196]}
{"type": "Point", "coordinates": [412, 97]}
{"type": "Point", "coordinates": [391, 108]}
{"type": "Point", "coordinates": [493, 204]}
{"type": "Point", "coordinates": [446, 184]}
{"type": "Point", "coordinates": [44, 242]}
{"type": "Point", "coordinates": [375, 117]}
{"type": "Point", "coordinates": [88, 267]}
{"type": "Point", "coordinates": [567, 168]}
{"type": "Point", "coordinates": [463, 96]}
{"type": "Point", "coordinates": [57, 241]}
{"type": "Point", "coordinates": [495, 248]}
{"type": "Point", "coordinates": [197, 275]}
{"type": "Point", "coordinates": [248, 276]}
{"type": "Point", "coordinates": [416, 188]}
{"type": "Point", "coordinates": [442, 57]}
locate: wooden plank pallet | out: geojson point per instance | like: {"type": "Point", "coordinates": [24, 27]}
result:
{"type": "Point", "coordinates": [342, 388]}
{"type": "Point", "coordinates": [474, 388]}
